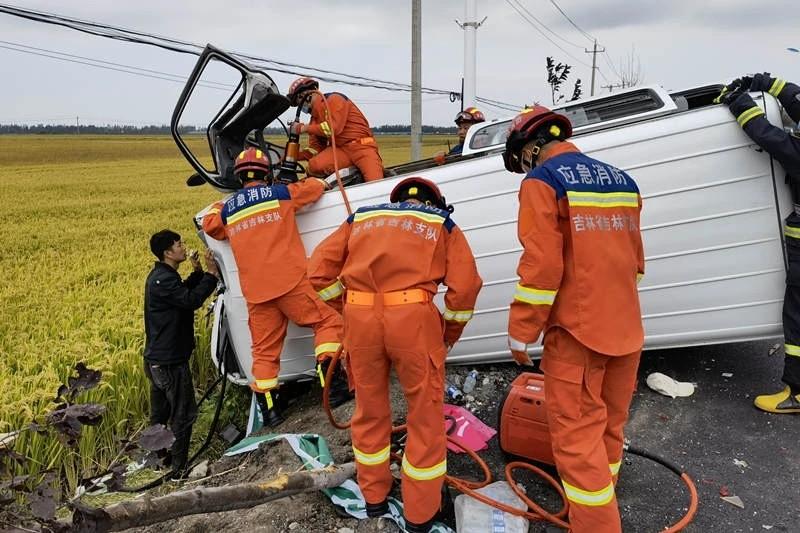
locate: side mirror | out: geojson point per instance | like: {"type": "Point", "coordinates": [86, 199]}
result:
{"type": "Point", "coordinates": [195, 180]}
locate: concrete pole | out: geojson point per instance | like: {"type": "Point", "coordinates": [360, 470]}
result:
{"type": "Point", "coordinates": [470, 27]}
{"type": "Point", "coordinates": [416, 80]}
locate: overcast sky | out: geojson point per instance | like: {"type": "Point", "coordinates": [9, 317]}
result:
{"type": "Point", "coordinates": [680, 43]}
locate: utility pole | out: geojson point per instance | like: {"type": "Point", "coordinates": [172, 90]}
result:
{"type": "Point", "coordinates": [612, 86]}
{"type": "Point", "coordinates": [78, 124]}
{"type": "Point", "coordinates": [594, 52]}
{"type": "Point", "coordinates": [470, 27]}
{"type": "Point", "coordinates": [416, 80]}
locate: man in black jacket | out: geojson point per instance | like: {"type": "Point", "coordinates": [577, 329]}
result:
{"type": "Point", "coordinates": [784, 146]}
{"type": "Point", "coordinates": [169, 305]}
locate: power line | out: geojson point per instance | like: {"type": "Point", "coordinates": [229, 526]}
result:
{"type": "Point", "coordinates": [521, 14]}
{"type": "Point", "coordinates": [543, 25]}
{"type": "Point", "coordinates": [587, 35]}
{"type": "Point", "coordinates": [185, 47]}
{"type": "Point", "coordinates": [118, 67]}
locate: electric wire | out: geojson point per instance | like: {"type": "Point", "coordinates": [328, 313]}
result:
{"type": "Point", "coordinates": [127, 69]}
{"type": "Point", "coordinates": [543, 25]}
{"type": "Point", "coordinates": [526, 19]}
{"type": "Point", "coordinates": [587, 35]}
{"type": "Point", "coordinates": [186, 47]}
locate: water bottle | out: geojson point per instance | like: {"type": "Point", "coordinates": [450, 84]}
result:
{"type": "Point", "coordinates": [453, 393]}
{"type": "Point", "coordinates": [469, 383]}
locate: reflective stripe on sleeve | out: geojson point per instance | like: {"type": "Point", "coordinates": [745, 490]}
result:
{"type": "Point", "coordinates": [517, 346]}
{"type": "Point", "coordinates": [587, 497]}
{"type": "Point", "coordinates": [614, 467]}
{"type": "Point", "coordinates": [266, 384]}
{"type": "Point", "coordinates": [639, 276]}
{"type": "Point", "coordinates": [312, 151]}
{"type": "Point", "coordinates": [371, 459]}
{"type": "Point", "coordinates": [791, 349]}
{"type": "Point", "coordinates": [424, 474]}
{"type": "Point", "coordinates": [326, 347]}
{"type": "Point", "coordinates": [534, 296]}
{"type": "Point", "coordinates": [792, 232]}
{"type": "Point", "coordinates": [331, 291]}
{"type": "Point", "coordinates": [777, 87]}
{"type": "Point", "coordinates": [326, 128]}
{"type": "Point", "coordinates": [212, 211]}
{"type": "Point", "coordinates": [749, 115]}
{"type": "Point", "coordinates": [457, 316]}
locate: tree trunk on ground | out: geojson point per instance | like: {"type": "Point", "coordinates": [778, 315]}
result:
{"type": "Point", "coordinates": [146, 511]}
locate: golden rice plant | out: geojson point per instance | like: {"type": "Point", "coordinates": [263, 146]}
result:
{"type": "Point", "coordinates": [79, 211]}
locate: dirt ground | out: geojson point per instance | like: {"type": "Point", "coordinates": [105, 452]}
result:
{"type": "Point", "coordinates": [716, 435]}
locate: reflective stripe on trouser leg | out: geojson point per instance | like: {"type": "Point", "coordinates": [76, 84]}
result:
{"type": "Point", "coordinates": [267, 331]}
{"type": "Point", "coordinates": [576, 412]}
{"type": "Point", "coordinates": [371, 424]}
{"type": "Point", "coordinates": [791, 333]}
{"type": "Point", "coordinates": [414, 343]}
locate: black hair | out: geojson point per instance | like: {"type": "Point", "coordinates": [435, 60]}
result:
{"type": "Point", "coordinates": [162, 241]}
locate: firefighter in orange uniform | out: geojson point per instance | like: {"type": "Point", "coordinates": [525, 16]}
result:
{"type": "Point", "coordinates": [355, 144]}
{"type": "Point", "coordinates": [581, 262]}
{"type": "Point", "coordinates": [259, 222]}
{"type": "Point", "coordinates": [391, 258]}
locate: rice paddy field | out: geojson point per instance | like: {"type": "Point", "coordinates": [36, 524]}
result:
{"type": "Point", "coordinates": [78, 214]}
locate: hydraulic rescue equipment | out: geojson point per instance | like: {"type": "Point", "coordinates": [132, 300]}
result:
{"type": "Point", "coordinates": [288, 169]}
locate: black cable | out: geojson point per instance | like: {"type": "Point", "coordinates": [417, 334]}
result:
{"type": "Point", "coordinates": [653, 457]}
{"type": "Point", "coordinates": [588, 36]}
{"type": "Point", "coordinates": [526, 19]}
{"type": "Point", "coordinates": [176, 45]}
{"type": "Point", "coordinates": [543, 25]}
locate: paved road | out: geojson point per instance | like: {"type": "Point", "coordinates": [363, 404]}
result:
{"type": "Point", "coordinates": [704, 434]}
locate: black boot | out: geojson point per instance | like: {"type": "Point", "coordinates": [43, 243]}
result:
{"type": "Point", "coordinates": [425, 527]}
{"type": "Point", "coordinates": [376, 510]}
{"type": "Point", "coordinates": [270, 413]}
{"type": "Point", "coordinates": [338, 390]}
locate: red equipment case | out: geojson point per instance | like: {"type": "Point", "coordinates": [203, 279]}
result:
{"type": "Point", "coordinates": [523, 420]}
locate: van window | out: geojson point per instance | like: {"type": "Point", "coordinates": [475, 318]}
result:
{"type": "Point", "coordinates": [581, 114]}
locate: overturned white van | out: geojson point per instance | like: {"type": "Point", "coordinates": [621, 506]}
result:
{"type": "Point", "coordinates": [712, 217]}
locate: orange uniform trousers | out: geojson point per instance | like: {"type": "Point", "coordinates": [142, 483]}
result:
{"type": "Point", "coordinates": [362, 153]}
{"type": "Point", "coordinates": [588, 395]}
{"type": "Point", "coordinates": [268, 322]}
{"type": "Point", "coordinates": [408, 337]}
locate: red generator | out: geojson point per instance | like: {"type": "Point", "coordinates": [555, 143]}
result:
{"type": "Point", "coordinates": [523, 420]}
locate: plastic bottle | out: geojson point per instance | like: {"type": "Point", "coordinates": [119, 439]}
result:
{"type": "Point", "coordinates": [473, 516]}
{"type": "Point", "coordinates": [470, 381]}
{"type": "Point", "coordinates": [453, 393]}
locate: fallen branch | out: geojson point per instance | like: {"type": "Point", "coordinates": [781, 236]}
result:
{"type": "Point", "coordinates": [146, 511]}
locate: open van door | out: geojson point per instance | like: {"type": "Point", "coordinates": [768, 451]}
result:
{"type": "Point", "coordinates": [244, 100]}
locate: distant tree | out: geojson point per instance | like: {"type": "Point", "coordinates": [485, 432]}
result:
{"type": "Point", "coordinates": [557, 74]}
{"type": "Point", "coordinates": [630, 69]}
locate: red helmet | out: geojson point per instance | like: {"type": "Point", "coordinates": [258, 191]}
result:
{"type": "Point", "coordinates": [533, 123]}
{"type": "Point", "coordinates": [252, 159]}
{"type": "Point", "coordinates": [418, 188]}
{"type": "Point", "coordinates": [470, 114]}
{"type": "Point", "coordinates": [299, 86]}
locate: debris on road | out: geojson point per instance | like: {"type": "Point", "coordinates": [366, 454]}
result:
{"type": "Point", "coordinates": [734, 500]}
{"type": "Point", "coordinates": [667, 386]}
{"type": "Point", "coordinates": [740, 463]}
{"type": "Point", "coordinates": [727, 374]}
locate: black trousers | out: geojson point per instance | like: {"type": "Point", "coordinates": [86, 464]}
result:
{"type": "Point", "coordinates": [172, 403]}
{"type": "Point", "coordinates": [791, 305]}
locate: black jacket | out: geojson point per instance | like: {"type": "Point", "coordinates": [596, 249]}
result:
{"type": "Point", "coordinates": [169, 305]}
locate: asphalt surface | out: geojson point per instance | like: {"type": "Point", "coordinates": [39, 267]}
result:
{"type": "Point", "coordinates": [726, 445]}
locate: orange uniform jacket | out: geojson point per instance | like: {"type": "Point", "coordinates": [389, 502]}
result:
{"type": "Point", "coordinates": [342, 117]}
{"type": "Point", "coordinates": [394, 247]}
{"type": "Point", "coordinates": [582, 257]}
{"type": "Point", "coordinates": [259, 222]}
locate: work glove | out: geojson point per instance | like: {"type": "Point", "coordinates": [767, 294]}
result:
{"type": "Point", "coordinates": [761, 82]}
{"type": "Point", "coordinates": [730, 92]}
{"type": "Point", "coordinates": [519, 350]}
{"type": "Point", "coordinates": [296, 127]}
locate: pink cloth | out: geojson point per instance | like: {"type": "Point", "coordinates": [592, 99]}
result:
{"type": "Point", "coordinates": [469, 430]}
